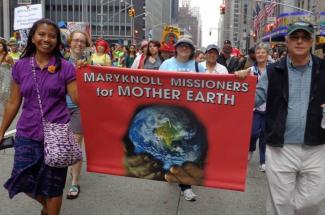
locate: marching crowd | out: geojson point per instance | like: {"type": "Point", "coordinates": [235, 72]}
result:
{"type": "Point", "coordinates": [289, 103]}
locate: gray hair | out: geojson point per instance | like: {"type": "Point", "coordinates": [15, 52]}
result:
{"type": "Point", "coordinates": [263, 46]}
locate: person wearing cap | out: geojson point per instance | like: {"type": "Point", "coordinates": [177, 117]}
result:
{"type": "Point", "coordinates": [294, 92]}
{"type": "Point", "coordinates": [139, 60]}
{"type": "Point", "coordinates": [183, 62]}
{"type": "Point", "coordinates": [211, 65]}
{"type": "Point", "coordinates": [225, 59]}
{"type": "Point", "coordinates": [101, 58]}
{"type": "Point", "coordinates": [14, 52]}
{"type": "Point", "coordinates": [234, 51]}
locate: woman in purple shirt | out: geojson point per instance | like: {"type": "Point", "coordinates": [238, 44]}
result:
{"type": "Point", "coordinates": [55, 77]}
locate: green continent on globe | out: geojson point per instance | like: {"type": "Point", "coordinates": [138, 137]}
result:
{"type": "Point", "coordinates": [168, 133]}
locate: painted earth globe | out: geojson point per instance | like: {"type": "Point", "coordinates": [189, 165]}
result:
{"type": "Point", "coordinates": [170, 134]}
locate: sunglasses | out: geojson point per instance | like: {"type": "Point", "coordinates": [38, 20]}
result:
{"type": "Point", "coordinates": [296, 37]}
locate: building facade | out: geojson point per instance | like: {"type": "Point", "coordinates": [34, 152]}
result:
{"type": "Point", "coordinates": [189, 22]}
{"type": "Point", "coordinates": [108, 19]}
{"type": "Point", "coordinates": [159, 14]}
{"type": "Point", "coordinates": [235, 24]}
{"type": "Point", "coordinates": [289, 11]}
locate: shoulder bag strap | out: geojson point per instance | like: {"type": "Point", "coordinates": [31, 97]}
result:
{"type": "Point", "coordinates": [37, 87]}
{"type": "Point", "coordinates": [196, 66]}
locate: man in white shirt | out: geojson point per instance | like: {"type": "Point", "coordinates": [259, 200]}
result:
{"type": "Point", "coordinates": [211, 65]}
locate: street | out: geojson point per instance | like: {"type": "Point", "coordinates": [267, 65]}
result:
{"type": "Point", "coordinates": [114, 195]}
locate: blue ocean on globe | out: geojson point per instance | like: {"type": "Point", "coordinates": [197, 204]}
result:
{"type": "Point", "coordinates": [168, 133]}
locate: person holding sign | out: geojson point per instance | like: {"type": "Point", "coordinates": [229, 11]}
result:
{"type": "Point", "coordinates": [41, 63]}
{"type": "Point", "coordinates": [210, 64]}
{"type": "Point", "coordinates": [182, 62]}
{"type": "Point", "coordinates": [262, 53]}
{"type": "Point", "coordinates": [78, 41]}
{"type": "Point", "coordinates": [294, 91]}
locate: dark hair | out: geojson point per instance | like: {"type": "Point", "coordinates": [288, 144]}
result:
{"type": "Point", "coordinates": [129, 49]}
{"type": "Point", "coordinates": [5, 47]}
{"type": "Point", "coordinates": [251, 50]}
{"type": "Point", "coordinates": [30, 48]}
{"type": "Point", "coordinates": [198, 52]}
{"type": "Point", "coordinates": [192, 54]}
{"type": "Point", "coordinates": [155, 43]}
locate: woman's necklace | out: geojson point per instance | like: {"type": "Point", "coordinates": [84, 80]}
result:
{"type": "Point", "coordinates": [41, 65]}
{"type": "Point", "coordinates": [152, 60]}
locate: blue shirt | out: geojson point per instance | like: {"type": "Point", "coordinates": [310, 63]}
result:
{"type": "Point", "coordinates": [173, 64]}
{"type": "Point", "coordinates": [299, 79]}
{"type": "Point", "coordinates": [70, 103]}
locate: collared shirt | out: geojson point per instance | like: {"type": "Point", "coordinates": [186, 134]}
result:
{"type": "Point", "coordinates": [218, 69]}
{"type": "Point", "coordinates": [53, 90]}
{"type": "Point", "coordinates": [299, 79]}
{"type": "Point", "coordinates": [255, 71]}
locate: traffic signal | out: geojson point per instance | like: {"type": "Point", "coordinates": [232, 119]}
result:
{"type": "Point", "coordinates": [222, 9]}
{"type": "Point", "coordinates": [131, 12]}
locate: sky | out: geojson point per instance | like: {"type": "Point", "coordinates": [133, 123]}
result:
{"type": "Point", "coordinates": [210, 14]}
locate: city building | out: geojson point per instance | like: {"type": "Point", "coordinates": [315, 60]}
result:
{"type": "Point", "coordinates": [235, 23]}
{"type": "Point", "coordinates": [189, 22]}
{"type": "Point", "coordinates": [159, 14]}
{"type": "Point", "coordinates": [274, 31]}
{"type": "Point", "coordinates": [108, 19]}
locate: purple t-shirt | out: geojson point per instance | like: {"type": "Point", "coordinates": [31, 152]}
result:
{"type": "Point", "coordinates": [53, 90]}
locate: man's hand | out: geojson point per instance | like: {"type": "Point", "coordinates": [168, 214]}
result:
{"type": "Point", "coordinates": [242, 74]}
{"type": "Point", "coordinates": [142, 166]}
{"type": "Point", "coordinates": [189, 174]}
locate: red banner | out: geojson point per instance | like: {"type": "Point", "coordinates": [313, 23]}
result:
{"type": "Point", "coordinates": [177, 126]}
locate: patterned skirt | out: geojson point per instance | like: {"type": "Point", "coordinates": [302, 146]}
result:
{"type": "Point", "coordinates": [31, 175]}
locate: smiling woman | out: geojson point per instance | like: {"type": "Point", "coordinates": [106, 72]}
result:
{"type": "Point", "coordinates": [41, 65]}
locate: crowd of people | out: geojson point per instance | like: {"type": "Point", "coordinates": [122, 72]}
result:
{"type": "Point", "coordinates": [289, 101]}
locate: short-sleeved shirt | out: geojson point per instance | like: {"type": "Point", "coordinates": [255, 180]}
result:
{"type": "Point", "coordinates": [53, 90]}
{"type": "Point", "coordinates": [174, 65]}
{"type": "Point", "coordinates": [70, 103]}
{"type": "Point", "coordinates": [100, 59]}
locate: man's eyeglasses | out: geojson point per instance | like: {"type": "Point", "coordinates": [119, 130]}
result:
{"type": "Point", "coordinates": [304, 38]}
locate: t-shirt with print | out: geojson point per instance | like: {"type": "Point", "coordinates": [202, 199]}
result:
{"type": "Point", "coordinates": [173, 64]}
